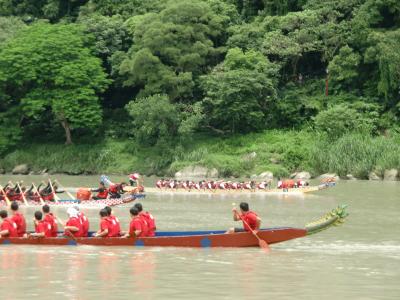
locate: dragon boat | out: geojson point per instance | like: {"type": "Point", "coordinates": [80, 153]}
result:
{"type": "Point", "coordinates": [82, 203]}
{"type": "Point", "coordinates": [292, 191]}
{"type": "Point", "coordinates": [216, 238]}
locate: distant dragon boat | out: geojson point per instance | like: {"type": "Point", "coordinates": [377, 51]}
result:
{"type": "Point", "coordinates": [83, 203]}
{"type": "Point", "coordinates": [216, 238]}
{"type": "Point", "coordinates": [298, 191]}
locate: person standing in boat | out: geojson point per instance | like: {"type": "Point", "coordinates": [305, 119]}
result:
{"type": "Point", "coordinates": [115, 224]}
{"type": "Point", "coordinates": [249, 218]}
{"type": "Point", "coordinates": [8, 228]}
{"type": "Point", "coordinates": [105, 225]}
{"type": "Point", "coordinates": [137, 227]}
{"type": "Point", "coordinates": [102, 192]}
{"type": "Point", "coordinates": [51, 219]}
{"type": "Point", "coordinates": [148, 218]}
{"type": "Point", "coordinates": [84, 221]}
{"type": "Point", "coordinates": [73, 225]}
{"type": "Point", "coordinates": [18, 218]}
{"type": "Point", "coordinates": [42, 228]}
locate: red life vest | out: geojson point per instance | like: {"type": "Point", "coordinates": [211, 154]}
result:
{"type": "Point", "coordinates": [9, 225]}
{"type": "Point", "coordinates": [103, 194]}
{"type": "Point", "coordinates": [250, 218]}
{"type": "Point", "coordinates": [51, 219]}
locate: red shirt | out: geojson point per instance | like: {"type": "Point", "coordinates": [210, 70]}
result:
{"type": "Point", "coordinates": [106, 224]}
{"type": "Point", "coordinates": [151, 223]}
{"type": "Point", "coordinates": [85, 224]}
{"type": "Point", "coordinates": [49, 218]}
{"type": "Point", "coordinates": [138, 223]}
{"type": "Point", "coordinates": [74, 222]}
{"type": "Point", "coordinates": [9, 225]}
{"type": "Point", "coordinates": [250, 218]}
{"type": "Point", "coordinates": [43, 226]}
{"type": "Point", "coordinates": [115, 226]}
{"type": "Point", "coordinates": [19, 219]}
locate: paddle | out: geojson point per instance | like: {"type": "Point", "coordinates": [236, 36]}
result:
{"type": "Point", "coordinates": [40, 196]}
{"type": "Point", "coordinates": [263, 244]}
{"type": "Point", "coordinates": [23, 194]}
{"type": "Point", "coordinates": [5, 196]}
{"type": "Point", "coordinates": [56, 198]}
{"type": "Point", "coordinates": [68, 193]}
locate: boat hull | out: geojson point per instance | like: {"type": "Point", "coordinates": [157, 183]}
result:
{"type": "Point", "coordinates": [174, 239]}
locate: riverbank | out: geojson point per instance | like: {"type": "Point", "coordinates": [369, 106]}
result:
{"type": "Point", "coordinates": [281, 153]}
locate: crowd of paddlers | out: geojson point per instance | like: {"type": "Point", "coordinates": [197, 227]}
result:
{"type": "Point", "coordinates": [46, 223]}
{"type": "Point", "coordinates": [17, 191]}
{"type": "Point", "coordinates": [228, 185]}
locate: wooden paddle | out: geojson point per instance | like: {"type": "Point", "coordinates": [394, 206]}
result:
{"type": "Point", "coordinates": [68, 193]}
{"type": "Point", "coordinates": [263, 244]}
{"type": "Point", "coordinates": [23, 195]}
{"type": "Point", "coordinates": [5, 196]}
{"type": "Point", "coordinates": [40, 196]}
{"type": "Point", "coordinates": [56, 198]}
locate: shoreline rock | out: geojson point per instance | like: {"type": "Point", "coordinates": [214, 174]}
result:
{"type": "Point", "coordinates": [301, 175]}
{"type": "Point", "coordinates": [20, 170]}
{"type": "Point", "coordinates": [196, 172]}
{"type": "Point", "coordinates": [373, 176]}
{"type": "Point", "coordinates": [391, 175]}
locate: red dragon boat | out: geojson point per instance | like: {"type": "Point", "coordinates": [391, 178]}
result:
{"type": "Point", "coordinates": [196, 238]}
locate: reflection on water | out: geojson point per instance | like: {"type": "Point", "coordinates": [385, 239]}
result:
{"type": "Point", "coordinates": [360, 260]}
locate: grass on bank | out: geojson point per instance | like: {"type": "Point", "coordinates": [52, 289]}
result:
{"type": "Point", "coordinates": [281, 152]}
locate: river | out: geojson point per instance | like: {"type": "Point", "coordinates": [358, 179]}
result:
{"type": "Point", "coordinates": [358, 260]}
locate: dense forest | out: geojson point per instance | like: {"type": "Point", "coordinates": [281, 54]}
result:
{"type": "Point", "coordinates": [243, 86]}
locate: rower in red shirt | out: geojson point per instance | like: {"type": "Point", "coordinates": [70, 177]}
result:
{"type": "Point", "coordinates": [148, 218]}
{"type": "Point", "coordinates": [42, 228]}
{"type": "Point", "coordinates": [73, 225]}
{"type": "Point", "coordinates": [137, 227]}
{"type": "Point", "coordinates": [115, 224]}
{"type": "Point", "coordinates": [105, 225]}
{"type": "Point", "coordinates": [248, 217]}
{"type": "Point", "coordinates": [18, 218]}
{"type": "Point", "coordinates": [84, 221]}
{"type": "Point", "coordinates": [8, 228]}
{"type": "Point", "coordinates": [102, 192]}
{"type": "Point", "coordinates": [51, 219]}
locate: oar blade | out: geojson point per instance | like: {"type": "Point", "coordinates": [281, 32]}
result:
{"type": "Point", "coordinates": [263, 245]}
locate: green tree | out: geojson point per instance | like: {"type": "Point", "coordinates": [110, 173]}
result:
{"type": "Point", "coordinates": [158, 121]}
{"type": "Point", "coordinates": [343, 68]}
{"type": "Point", "coordinates": [50, 67]}
{"type": "Point", "coordinates": [239, 92]}
{"type": "Point", "coordinates": [172, 48]}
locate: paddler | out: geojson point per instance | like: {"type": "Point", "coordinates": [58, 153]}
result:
{"type": "Point", "coordinates": [42, 228]}
{"type": "Point", "coordinates": [18, 218]}
{"type": "Point", "coordinates": [102, 191]}
{"type": "Point", "coordinates": [148, 218]}
{"type": "Point", "coordinates": [8, 228]}
{"type": "Point", "coordinates": [115, 190]}
{"type": "Point", "coordinates": [133, 179]}
{"type": "Point", "coordinates": [73, 225]}
{"type": "Point", "coordinates": [115, 230]}
{"type": "Point", "coordinates": [51, 219]}
{"type": "Point", "coordinates": [137, 226]}
{"type": "Point", "coordinates": [105, 225]}
{"type": "Point", "coordinates": [84, 221]}
{"type": "Point", "coordinates": [248, 217]}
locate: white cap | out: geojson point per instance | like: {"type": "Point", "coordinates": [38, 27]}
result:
{"type": "Point", "coordinates": [72, 212]}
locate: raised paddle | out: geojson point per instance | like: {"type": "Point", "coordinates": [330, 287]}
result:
{"type": "Point", "coordinates": [23, 195]}
{"type": "Point", "coordinates": [68, 193]}
{"type": "Point", "coordinates": [56, 198]}
{"type": "Point", "coordinates": [5, 196]}
{"type": "Point", "coordinates": [40, 196]}
{"type": "Point", "coordinates": [263, 244]}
